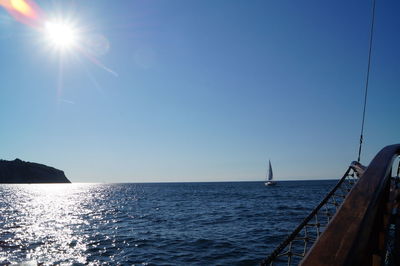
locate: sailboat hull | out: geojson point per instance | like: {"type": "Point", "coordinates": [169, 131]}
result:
{"type": "Point", "coordinates": [270, 183]}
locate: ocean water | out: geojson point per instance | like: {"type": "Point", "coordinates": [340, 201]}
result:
{"type": "Point", "coordinates": [232, 223]}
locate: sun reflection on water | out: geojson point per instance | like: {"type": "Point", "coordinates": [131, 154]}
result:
{"type": "Point", "coordinates": [40, 220]}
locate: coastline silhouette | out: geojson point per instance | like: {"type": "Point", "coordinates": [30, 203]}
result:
{"type": "Point", "coordinates": [21, 172]}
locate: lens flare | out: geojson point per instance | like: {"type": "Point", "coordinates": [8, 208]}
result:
{"type": "Point", "coordinates": [62, 35]}
{"type": "Point", "coordinates": [22, 7]}
{"type": "Point", "coordinates": [25, 11]}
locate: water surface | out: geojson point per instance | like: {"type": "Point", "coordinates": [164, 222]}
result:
{"type": "Point", "coordinates": [151, 224]}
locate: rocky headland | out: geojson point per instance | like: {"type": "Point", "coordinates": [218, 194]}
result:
{"type": "Point", "coordinates": [20, 172]}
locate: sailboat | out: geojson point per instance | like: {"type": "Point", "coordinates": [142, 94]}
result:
{"type": "Point", "coordinates": [270, 177]}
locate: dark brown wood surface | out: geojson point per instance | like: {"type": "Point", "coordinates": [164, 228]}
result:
{"type": "Point", "coordinates": [349, 238]}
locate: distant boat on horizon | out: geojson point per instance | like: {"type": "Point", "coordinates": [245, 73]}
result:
{"type": "Point", "coordinates": [270, 176]}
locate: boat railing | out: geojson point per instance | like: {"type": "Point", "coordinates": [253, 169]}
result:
{"type": "Point", "coordinates": [296, 245]}
{"type": "Point", "coordinates": [355, 218]}
{"type": "Point", "coordinates": [366, 229]}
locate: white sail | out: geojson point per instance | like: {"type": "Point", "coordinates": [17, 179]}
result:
{"type": "Point", "coordinates": [270, 173]}
{"type": "Point", "coordinates": [270, 176]}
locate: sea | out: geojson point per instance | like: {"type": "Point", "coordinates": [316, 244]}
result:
{"type": "Point", "coordinates": [227, 223]}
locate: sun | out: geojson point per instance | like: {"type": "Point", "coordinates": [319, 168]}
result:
{"type": "Point", "coordinates": [61, 35]}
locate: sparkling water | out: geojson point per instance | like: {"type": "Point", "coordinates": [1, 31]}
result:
{"type": "Point", "coordinates": [232, 223]}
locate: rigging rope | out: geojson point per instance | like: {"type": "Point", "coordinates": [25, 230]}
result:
{"type": "Point", "coordinates": [367, 78]}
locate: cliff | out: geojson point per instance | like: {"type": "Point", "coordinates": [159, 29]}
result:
{"type": "Point", "coordinates": [20, 172]}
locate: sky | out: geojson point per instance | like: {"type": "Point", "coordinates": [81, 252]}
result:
{"type": "Point", "coordinates": [201, 90]}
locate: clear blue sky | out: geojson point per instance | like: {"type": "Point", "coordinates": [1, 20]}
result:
{"type": "Point", "coordinates": [206, 90]}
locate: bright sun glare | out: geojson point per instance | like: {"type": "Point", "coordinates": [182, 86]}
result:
{"type": "Point", "coordinates": [61, 35]}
